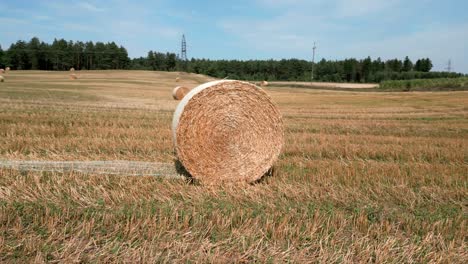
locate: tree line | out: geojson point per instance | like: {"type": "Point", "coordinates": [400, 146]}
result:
{"type": "Point", "coordinates": [62, 55]}
{"type": "Point", "coordinates": [348, 70]}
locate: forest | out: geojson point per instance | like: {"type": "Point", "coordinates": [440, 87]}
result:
{"type": "Point", "coordinates": [62, 55]}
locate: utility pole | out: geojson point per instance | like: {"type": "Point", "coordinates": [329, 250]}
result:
{"type": "Point", "coordinates": [313, 62]}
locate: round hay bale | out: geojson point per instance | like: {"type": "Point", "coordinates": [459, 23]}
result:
{"type": "Point", "coordinates": [264, 83]}
{"type": "Point", "coordinates": [7, 69]}
{"type": "Point", "coordinates": [177, 79]}
{"type": "Point", "coordinates": [2, 71]}
{"type": "Point", "coordinates": [2, 79]}
{"type": "Point", "coordinates": [73, 76]}
{"type": "Point", "coordinates": [180, 92]}
{"type": "Point", "coordinates": [72, 69]}
{"type": "Point", "coordinates": [227, 131]}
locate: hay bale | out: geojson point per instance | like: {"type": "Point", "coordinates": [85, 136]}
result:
{"type": "Point", "coordinates": [72, 69]}
{"type": "Point", "coordinates": [227, 131]}
{"type": "Point", "coordinates": [177, 79]}
{"type": "Point", "coordinates": [180, 92]}
{"type": "Point", "coordinates": [2, 71]}
{"type": "Point", "coordinates": [73, 76]}
{"type": "Point", "coordinates": [2, 79]}
{"type": "Point", "coordinates": [7, 69]}
{"type": "Point", "coordinates": [264, 83]}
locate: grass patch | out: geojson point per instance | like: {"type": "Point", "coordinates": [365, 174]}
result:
{"type": "Point", "coordinates": [439, 84]}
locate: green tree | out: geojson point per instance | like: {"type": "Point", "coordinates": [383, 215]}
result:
{"type": "Point", "coordinates": [151, 60]}
{"type": "Point", "coordinates": [426, 65]}
{"type": "Point", "coordinates": [89, 55]}
{"type": "Point", "coordinates": [2, 58]}
{"type": "Point", "coordinates": [35, 55]}
{"type": "Point", "coordinates": [171, 61]}
{"type": "Point", "coordinates": [366, 68]}
{"type": "Point", "coordinates": [394, 65]}
{"type": "Point", "coordinates": [407, 65]}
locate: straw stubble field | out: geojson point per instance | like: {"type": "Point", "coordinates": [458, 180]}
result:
{"type": "Point", "coordinates": [363, 177]}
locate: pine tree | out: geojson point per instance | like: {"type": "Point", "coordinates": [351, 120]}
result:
{"type": "Point", "coordinates": [407, 65]}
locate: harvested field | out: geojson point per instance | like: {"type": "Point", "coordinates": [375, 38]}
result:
{"type": "Point", "coordinates": [363, 177]}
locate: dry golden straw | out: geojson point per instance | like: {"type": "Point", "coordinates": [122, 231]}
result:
{"type": "Point", "coordinates": [2, 71]}
{"type": "Point", "coordinates": [72, 69]}
{"type": "Point", "coordinates": [179, 92]}
{"type": "Point", "coordinates": [73, 76]}
{"type": "Point", "coordinates": [264, 83]}
{"type": "Point", "coordinates": [2, 79]}
{"type": "Point", "coordinates": [7, 69]}
{"type": "Point", "coordinates": [227, 131]}
{"type": "Point", "coordinates": [177, 79]}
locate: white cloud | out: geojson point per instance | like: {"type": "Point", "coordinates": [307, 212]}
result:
{"type": "Point", "coordinates": [80, 27]}
{"type": "Point", "coordinates": [9, 21]}
{"type": "Point", "coordinates": [89, 7]}
{"type": "Point", "coordinates": [290, 34]}
{"type": "Point", "coordinates": [343, 29]}
{"type": "Point", "coordinates": [281, 3]}
{"type": "Point", "coordinates": [332, 8]}
{"type": "Point", "coordinates": [355, 8]}
{"type": "Point", "coordinates": [42, 17]}
{"type": "Point", "coordinates": [439, 43]}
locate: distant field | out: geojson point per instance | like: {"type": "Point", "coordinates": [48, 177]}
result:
{"type": "Point", "coordinates": [364, 177]}
{"type": "Point", "coordinates": [327, 85]}
{"type": "Point", "coordinates": [439, 84]}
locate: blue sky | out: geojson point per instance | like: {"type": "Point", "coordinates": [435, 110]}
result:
{"type": "Point", "coordinates": [256, 29]}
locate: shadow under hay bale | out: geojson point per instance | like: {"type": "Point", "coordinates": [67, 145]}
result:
{"type": "Point", "coordinates": [272, 172]}
{"type": "Point", "coordinates": [180, 169]}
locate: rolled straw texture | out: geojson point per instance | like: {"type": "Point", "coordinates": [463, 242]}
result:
{"type": "Point", "coordinates": [2, 71]}
{"type": "Point", "coordinates": [227, 131]}
{"type": "Point", "coordinates": [72, 69]}
{"type": "Point", "coordinates": [179, 92]}
{"type": "Point", "coordinates": [2, 79]}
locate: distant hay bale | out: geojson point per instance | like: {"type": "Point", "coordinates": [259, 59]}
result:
{"type": "Point", "coordinates": [72, 69]}
{"type": "Point", "coordinates": [7, 69]}
{"type": "Point", "coordinates": [177, 79]}
{"type": "Point", "coordinates": [2, 71]}
{"type": "Point", "coordinates": [179, 92]}
{"type": "Point", "coordinates": [2, 79]}
{"type": "Point", "coordinates": [73, 76]}
{"type": "Point", "coordinates": [264, 83]}
{"type": "Point", "coordinates": [227, 131]}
